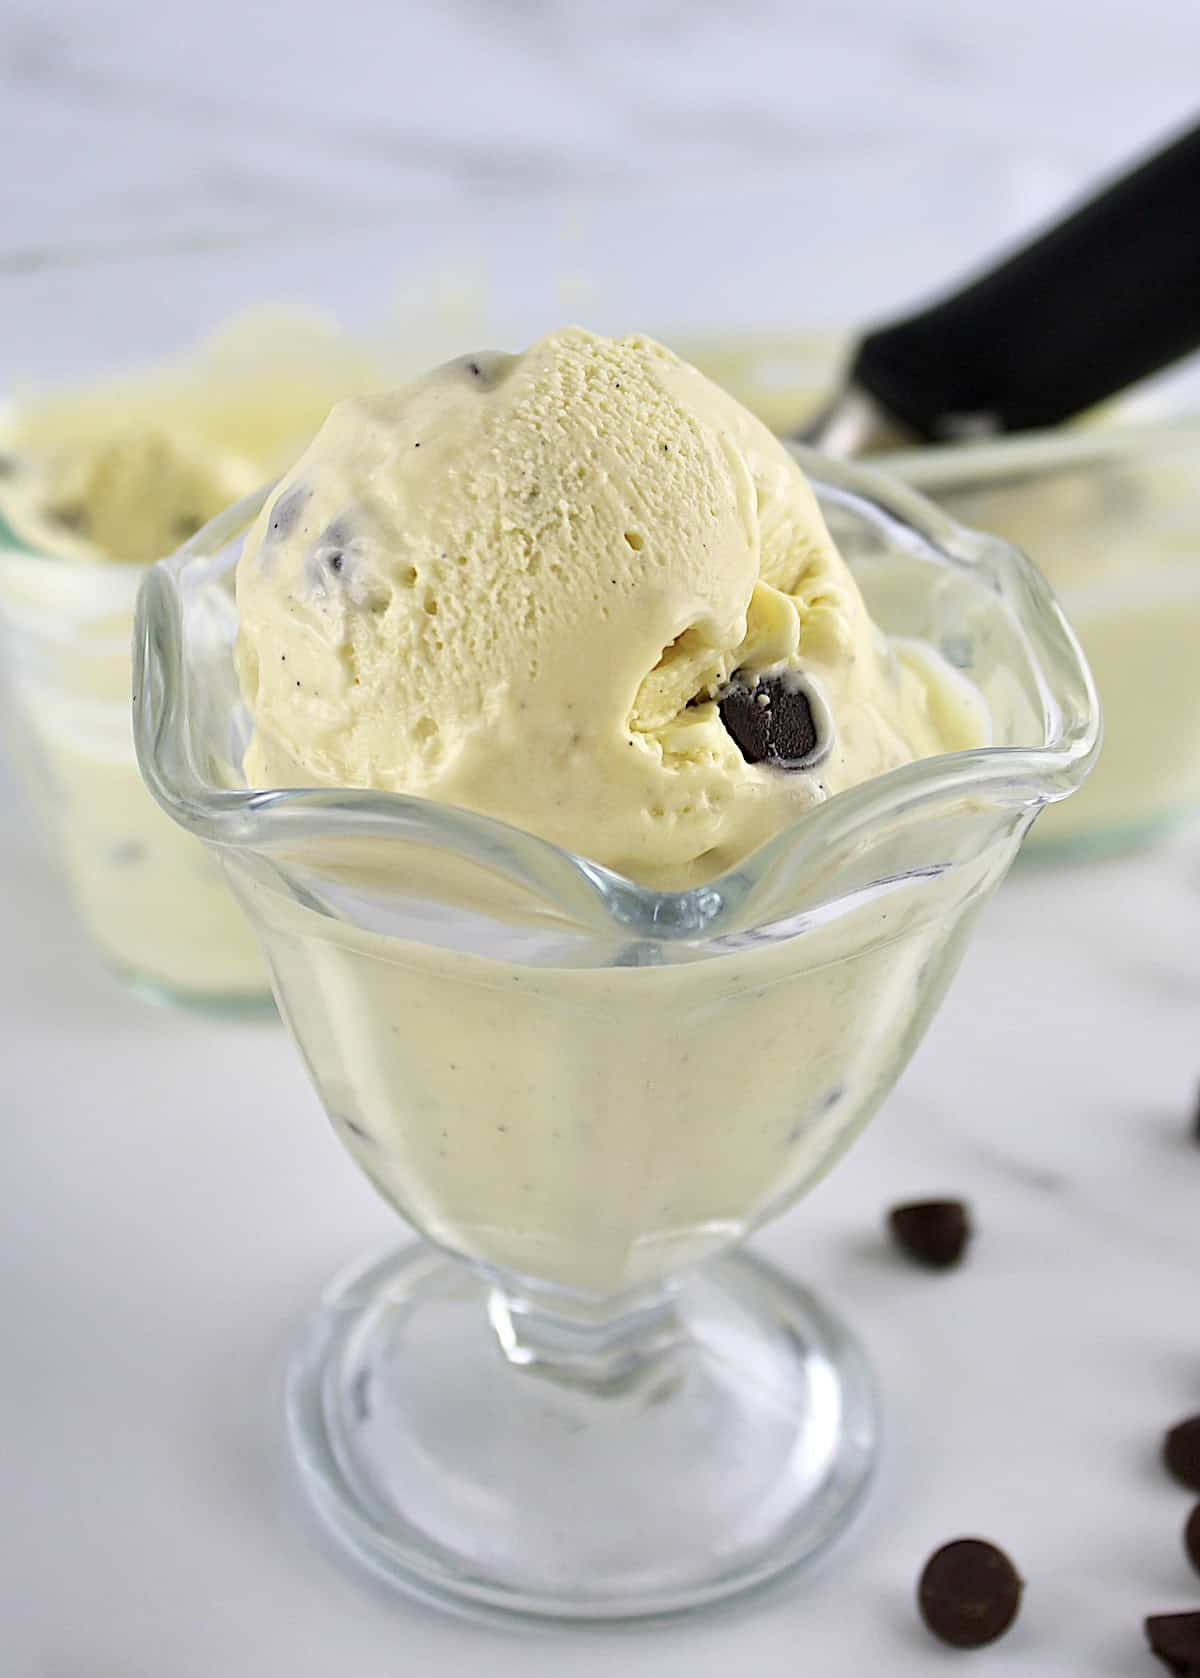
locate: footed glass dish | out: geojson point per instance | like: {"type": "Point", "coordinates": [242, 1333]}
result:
{"type": "Point", "coordinates": [576, 1397]}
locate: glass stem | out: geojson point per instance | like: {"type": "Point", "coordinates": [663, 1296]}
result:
{"type": "Point", "coordinates": [603, 1345]}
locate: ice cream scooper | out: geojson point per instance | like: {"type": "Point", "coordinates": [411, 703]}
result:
{"type": "Point", "coordinates": [1102, 298]}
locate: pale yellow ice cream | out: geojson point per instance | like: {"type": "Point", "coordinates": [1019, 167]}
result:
{"type": "Point", "coordinates": [523, 586]}
{"type": "Point", "coordinates": [784, 378]}
{"type": "Point", "coordinates": [598, 1126]}
{"type": "Point", "coordinates": [1112, 517]}
{"type": "Point", "coordinates": [130, 496]}
{"type": "Point", "coordinates": [128, 467]}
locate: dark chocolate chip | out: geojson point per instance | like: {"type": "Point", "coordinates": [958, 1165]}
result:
{"type": "Point", "coordinates": [934, 1232]}
{"type": "Point", "coordinates": [69, 518]}
{"type": "Point", "coordinates": [1175, 1639]}
{"type": "Point", "coordinates": [770, 721]}
{"type": "Point", "coordinates": [969, 1593]}
{"type": "Point", "coordinates": [286, 512]}
{"type": "Point", "coordinates": [336, 561]}
{"type": "Point", "coordinates": [1181, 1453]}
{"type": "Point", "coordinates": [1191, 1538]}
{"type": "Point", "coordinates": [185, 526]}
{"type": "Point", "coordinates": [487, 368]}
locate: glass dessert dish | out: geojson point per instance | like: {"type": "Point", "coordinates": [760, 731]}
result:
{"type": "Point", "coordinates": [1111, 515]}
{"type": "Point", "coordinates": [153, 902]}
{"type": "Point", "coordinates": [575, 1398]}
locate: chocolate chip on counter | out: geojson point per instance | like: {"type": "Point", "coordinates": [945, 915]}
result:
{"type": "Point", "coordinates": [969, 1593]}
{"type": "Point", "coordinates": [1191, 1538]}
{"type": "Point", "coordinates": [772, 721]}
{"type": "Point", "coordinates": [1175, 1639]}
{"type": "Point", "coordinates": [1181, 1452]}
{"type": "Point", "coordinates": [933, 1232]}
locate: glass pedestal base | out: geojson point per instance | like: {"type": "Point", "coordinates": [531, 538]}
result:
{"type": "Point", "coordinates": [469, 1448]}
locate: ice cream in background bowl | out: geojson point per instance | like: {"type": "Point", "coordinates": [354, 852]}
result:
{"type": "Point", "coordinates": [613, 793]}
{"type": "Point", "coordinates": [1111, 515]}
{"type": "Point", "coordinates": [96, 482]}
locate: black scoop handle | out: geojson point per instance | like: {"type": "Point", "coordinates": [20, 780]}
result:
{"type": "Point", "coordinates": [1100, 300]}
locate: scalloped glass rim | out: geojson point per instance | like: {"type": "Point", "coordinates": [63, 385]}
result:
{"type": "Point", "coordinates": [263, 819]}
{"type": "Point", "coordinates": [935, 467]}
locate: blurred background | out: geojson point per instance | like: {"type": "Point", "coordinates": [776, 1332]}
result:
{"type": "Point", "coordinates": [748, 182]}
{"type": "Point", "coordinates": [129, 120]}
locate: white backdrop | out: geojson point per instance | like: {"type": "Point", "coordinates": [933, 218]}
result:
{"type": "Point", "coordinates": [130, 115]}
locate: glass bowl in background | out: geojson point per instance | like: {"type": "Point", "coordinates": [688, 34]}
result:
{"type": "Point", "coordinates": [1111, 515]}
{"type": "Point", "coordinates": [152, 900]}
{"type": "Point", "coordinates": [244, 402]}
{"type": "Point", "coordinates": [576, 1399]}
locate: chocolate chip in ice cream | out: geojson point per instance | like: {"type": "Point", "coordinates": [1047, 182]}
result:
{"type": "Point", "coordinates": [933, 1232]}
{"type": "Point", "coordinates": [185, 525]}
{"type": "Point", "coordinates": [328, 561]}
{"type": "Point", "coordinates": [286, 512]}
{"type": "Point", "coordinates": [777, 720]}
{"type": "Point", "coordinates": [69, 517]}
{"type": "Point", "coordinates": [969, 1593]}
{"type": "Point", "coordinates": [1181, 1452]}
{"type": "Point", "coordinates": [485, 368]}
{"type": "Point", "coordinates": [1175, 1639]}
{"type": "Point", "coordinates": [1191, 1538]}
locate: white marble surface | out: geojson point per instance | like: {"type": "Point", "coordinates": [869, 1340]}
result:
{"type": "Point", "coordinates": [123, 116]}
{"type": "Point", "coordinates": [174, 1200]}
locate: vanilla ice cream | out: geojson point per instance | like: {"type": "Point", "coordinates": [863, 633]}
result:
{"type": "Point", "coordinates": [583, 591]}
{"type": "Point", "coordinates": [130, 496]}
{"type": "Point", "coordinates": [1111, 515]}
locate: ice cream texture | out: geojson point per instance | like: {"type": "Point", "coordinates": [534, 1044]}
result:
{"type": "Point", "coordinates": [546, 587]}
